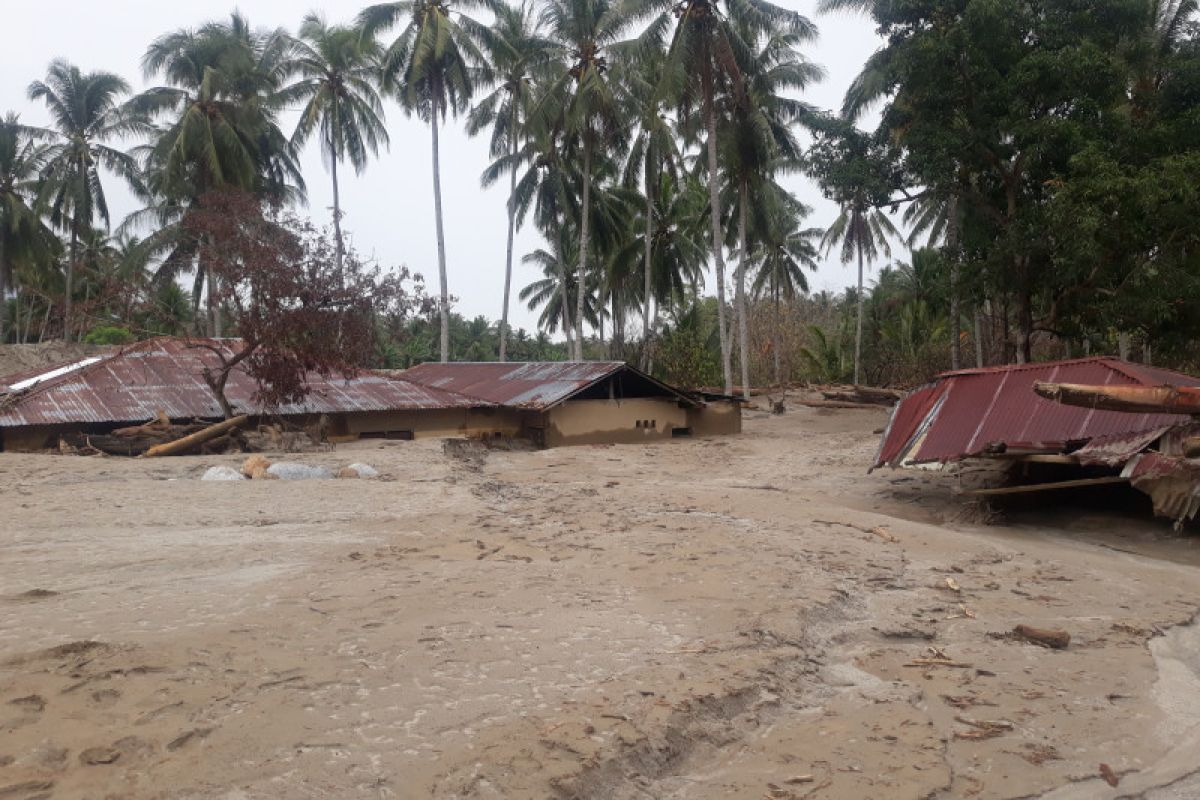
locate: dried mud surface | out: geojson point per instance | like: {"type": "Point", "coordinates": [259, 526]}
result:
{"type": "Point", "coordinates": [714, 618]}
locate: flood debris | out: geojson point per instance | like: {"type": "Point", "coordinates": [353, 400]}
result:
{"type": "Point", "coordinates": [1058, 426]}
{"type": "Point", "coordinates": [1054, 639]}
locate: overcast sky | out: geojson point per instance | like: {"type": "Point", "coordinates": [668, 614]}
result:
{"type": "Point", "coordinates": [389, 209]}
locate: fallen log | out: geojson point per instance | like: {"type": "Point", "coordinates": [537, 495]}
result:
{"type": "Point", "coordinates": [836, 404]}
{"type": "Point", "coordinates": [200, 437]}
{"type": "Point", "coordinates": [1045, 637]}
{"type": "Point", "coordinates": [1131, 399]}
{"type": "Point", "coordinates": [863, 394]}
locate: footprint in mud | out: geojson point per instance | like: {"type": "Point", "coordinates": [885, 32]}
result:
{"type": "Point", "coordinates": [105, 697]}
{"type": "Point", "coordinates": [33, 704]}
{"type": "Point", "coordinates": [94, 756]}
{"type": "Point", "coordinates": [186, 738]}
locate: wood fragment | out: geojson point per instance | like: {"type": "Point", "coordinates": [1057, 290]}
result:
{"type": "Point", "coordinates": [1044, 487]}
{"type": "Point", "coordinates": [937, 662]}
{"type": "Point", "coordinates": [1109, 776]}
{"type": "Point", "coordinates": [1054, 639]}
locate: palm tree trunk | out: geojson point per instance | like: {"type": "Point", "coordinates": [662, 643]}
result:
{"type": "Point", "coordinates": [512, 225]}
{"type": "Point", "coordinates": [859, 325]}
{"type": "Point", "coordinates": [778, 336]}
{"type": "Point", "coordinates": [339, 247]}
{"type": "Point", "coordinates": [4, 295]}
{"type": "Point", "coordinates": [978, 339]}
{"type": "Point", "coordinates": [564, 295]}
{"type": "Point", "coordinates": [584, 231]}
{"type": "Point", "coordinates": [955, 313]}
{"type": "Point", "coordinates": [70, 282]}
{"type": "Point", "coordinates": [649, 256]}
{"type": "Point", "coordinates": [740, 299]}
{"type": "Point", "coordinates": [714, 202]}
{"type": "Point", "coordinates": [444, 298]}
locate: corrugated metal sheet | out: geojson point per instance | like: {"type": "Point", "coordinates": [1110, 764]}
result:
{"type": "Point", "coordinates": [533, 385]}
{"type": "Point", "coordinates": [979, 408]}
{"type": "Point", "coordinates": [165, 374]}
{"type": "Point", "coordinates": [1115, 450]}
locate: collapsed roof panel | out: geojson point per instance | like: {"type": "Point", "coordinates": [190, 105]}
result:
{"type": "Point", "coordinates": [974, 412]}
{"type": "Point", "coordinates": [535, 386]}
{"type": "Point", "coordinates": [166, 374]}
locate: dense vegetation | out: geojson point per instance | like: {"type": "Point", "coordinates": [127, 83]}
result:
{"type": "Point", "coordinates": [1041, 160]}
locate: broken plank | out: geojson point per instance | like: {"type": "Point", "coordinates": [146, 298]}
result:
{"type": "Point", "coordinates": [1045, 487]}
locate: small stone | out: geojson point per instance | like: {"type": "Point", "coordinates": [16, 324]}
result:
{"type": "Point", "coordinates": [99, 755]}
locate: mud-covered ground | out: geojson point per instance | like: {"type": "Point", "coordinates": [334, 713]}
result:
{"type": "Point", "coordinates": [748, 617]}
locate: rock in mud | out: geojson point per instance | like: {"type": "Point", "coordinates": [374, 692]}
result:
{"type": "Point", "coordinates": [292, 471]}
{"type": "Point", "coordinates": [358, 471]}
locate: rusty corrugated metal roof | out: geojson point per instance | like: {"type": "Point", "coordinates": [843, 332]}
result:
{"type": "Point", "coordinates": [165, 374]}
{"type": "Point", "coordinates": [964, 413]}
{"type": "Point", "coordinates": [532, 385]}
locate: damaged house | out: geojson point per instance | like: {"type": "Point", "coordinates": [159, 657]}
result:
{"type": "Point", "coordinates": [1060, 425]}
{"type": "Point", "coordinates": [552, 403]}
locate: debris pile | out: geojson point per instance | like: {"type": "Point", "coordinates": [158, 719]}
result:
{"type": "Point", "coordinates": [259, 468]}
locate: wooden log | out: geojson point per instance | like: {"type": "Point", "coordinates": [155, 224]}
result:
{"type": "Point", "coordinates": [200, 437]}
{"type": "Point", "coordinates": [1045, 637]}
{"type": "Point", "coordinates": [836, 404]}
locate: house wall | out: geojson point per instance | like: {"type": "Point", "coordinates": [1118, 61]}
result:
{"type": "Point", "coordinates": [613, 421]}
{"type": "Point", "coordinates": [717, 418]}
{"type": "Point", "coordinates": [31, 438]}
{"type": "Point", "coordinates": [434, 423]}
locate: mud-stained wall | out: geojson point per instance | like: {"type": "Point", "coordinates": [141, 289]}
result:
{"type": "Point", "coordinates": [605, 421]}
{"type": "Point", "coordinates": [718, 418]}
{"type": "Point", "coordinates": [435, 422]}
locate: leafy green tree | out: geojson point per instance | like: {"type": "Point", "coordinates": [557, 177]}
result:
{"type": "Point", "coordinates": [335, 71]}
{"type": "Point", "coordinates": [432, 67]}
{"type": "Point", "coordinates": [516, 50]}
{"type": "Point", "coordinates": [86, 114]}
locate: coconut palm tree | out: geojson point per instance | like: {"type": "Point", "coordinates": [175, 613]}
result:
{"type": "Point", "coordinates": [702, 64]}
{"type": "Point", "coordinates": [653, 151]}
{"type": "Point", "coordinates": [85, 112]}
{"type": "Point", "coordinates": [24, 238]}
{"type": "Point", "coordinates": [432, 67]}
{"type": "Point", "coordinates": [215, 127]}
{"type": "Point", "coordinates": [516, 50]}
{"type": "Point", "coordinates": [859, 231]}
{"type": "Point", "coordinates": [551, 296]}
{"type": "Point", "coordinates": [582, 97]}
{"type": "Point", "coordinates": [759, 141]}
{"type": "Point", "coordinates": [336, 71]}
{"type": "Point", "coordinates": [547, 186]}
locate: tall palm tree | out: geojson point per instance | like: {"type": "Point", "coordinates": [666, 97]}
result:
{"type": "Point", "coordinates": [337, 70]}
{"type": "Point", "coordinates": [516, 50]}
{"type": "Point", "coordinates": [216, 127]}
{"type": "Point", "coordinates": [702, 64]}
{"type": "Point", "coordinates": [653, 151]}
{"type": "Point", "coordinates": [86, 113]}
{"type": "Point", "coordinates": [586, 102]}
{"type": "Point", "coordinates": [760, 141]}
{"type": "Point", "coordinates": [24, 238]}
{"type": "Point", "coordinates": [860, 231]}
{"type": "Point", "coordinates": [432, 67]}
{"type": "Point", "coordinates": [547, 187]}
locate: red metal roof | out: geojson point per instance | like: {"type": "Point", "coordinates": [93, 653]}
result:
{"type": "Point", "coordinates": [962, 413]}
{"type": "Point", "coordinates": [165, 374]}
{"type": "Point", "coordinates": [532, 385]}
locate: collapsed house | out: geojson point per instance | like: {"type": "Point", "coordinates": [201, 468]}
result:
{"type": "Point", "coordinates": [551, 404]}
{"type": "Point", "coordinates": [1086, 422]}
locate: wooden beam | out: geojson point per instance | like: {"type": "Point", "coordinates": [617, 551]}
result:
{"type": "Point", "coordinates": [196, 439]}
{"type": "Point", "coordinates": [1045, 487]}
{"type": "Point", "coordinates": [1127, 398]}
